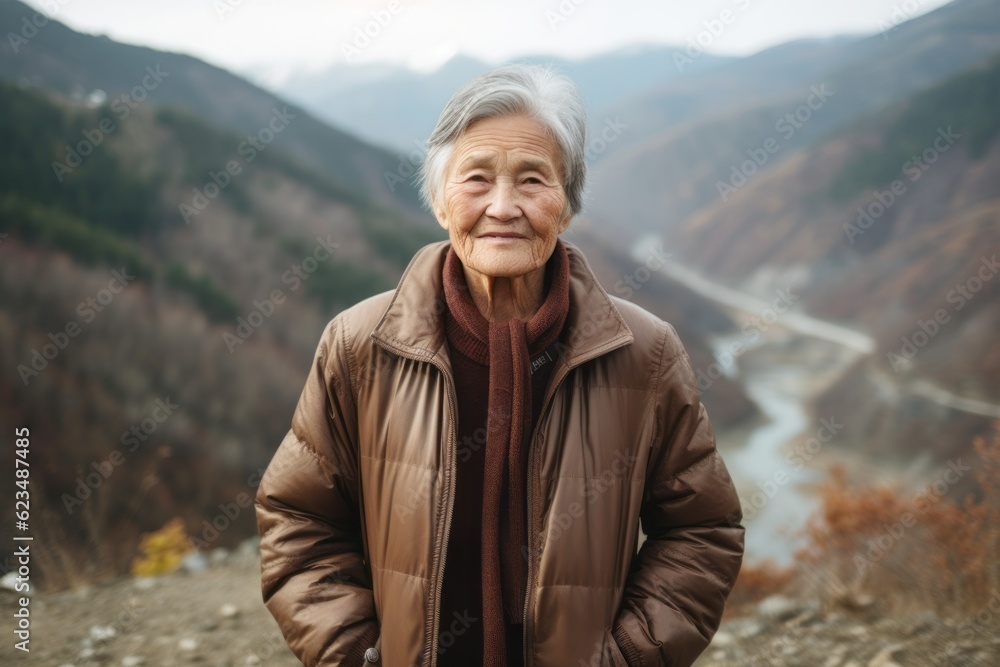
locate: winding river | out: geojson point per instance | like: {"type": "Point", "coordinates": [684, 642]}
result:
{"type": "Point", "coordinates": [770, 462]}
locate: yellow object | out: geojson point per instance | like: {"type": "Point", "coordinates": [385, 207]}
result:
{"type": "Point", "coordinates": [162, 550]}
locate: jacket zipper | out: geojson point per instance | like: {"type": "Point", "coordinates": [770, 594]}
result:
{"type": "Point", "coordinates": [532, 454]}
{"type": "Point", "coordinates": [449, 502]}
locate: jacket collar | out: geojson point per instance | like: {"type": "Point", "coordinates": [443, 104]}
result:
{"type": "Point", "coordinates": [413, 323]}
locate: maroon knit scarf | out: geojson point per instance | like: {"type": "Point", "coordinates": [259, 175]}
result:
{"type": "Point", "coordinates": [507, 348]}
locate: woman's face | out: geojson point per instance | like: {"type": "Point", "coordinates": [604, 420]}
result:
{"type": "Point", "coordinates": [503, 201]}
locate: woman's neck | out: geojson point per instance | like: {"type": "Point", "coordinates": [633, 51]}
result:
{"type": "Point", "coordinates": [501, 298]}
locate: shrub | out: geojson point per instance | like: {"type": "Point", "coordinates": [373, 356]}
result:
{"type": "Point", "coordinates": [757, 581]}
{"type": "Point", "coordinates": [911, 551]}
{"type": "Point", "coordinates": [162, 550]}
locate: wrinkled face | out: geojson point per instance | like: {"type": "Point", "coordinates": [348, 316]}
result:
{"type": "Point", "coordinates": [503, 201]}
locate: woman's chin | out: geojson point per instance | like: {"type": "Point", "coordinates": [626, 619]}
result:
{"type": "Point", "coordinates": [499, 263]}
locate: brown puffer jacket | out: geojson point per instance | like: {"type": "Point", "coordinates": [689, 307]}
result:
{"type": "Point", "coordinates": [354, 510]}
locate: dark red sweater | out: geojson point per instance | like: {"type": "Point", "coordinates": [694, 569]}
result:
{"type": "Point", "coordinates": [460, 639]}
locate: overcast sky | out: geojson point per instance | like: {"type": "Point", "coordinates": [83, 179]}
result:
{"type": "Point", "coordinates": [270, 39]}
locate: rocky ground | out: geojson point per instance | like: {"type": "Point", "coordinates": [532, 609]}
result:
{"type": "Point", "coordinates": [211, 614]}
{"type": "Point", "coordinates": [782, 632]}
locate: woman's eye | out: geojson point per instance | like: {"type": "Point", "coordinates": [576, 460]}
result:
{"type": "Point", "coordinates": [531, 180]}
{"type": "Point", "coordinates": [477, 178]}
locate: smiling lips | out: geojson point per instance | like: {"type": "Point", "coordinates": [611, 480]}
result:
{"type": "Point", "coordinates": [503, 235]}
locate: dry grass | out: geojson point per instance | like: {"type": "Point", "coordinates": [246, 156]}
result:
{"type": "Point", "coordinates": [895, 550]}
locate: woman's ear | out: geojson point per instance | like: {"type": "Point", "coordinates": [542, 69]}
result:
{"type": "Point", "coordinates": [564, 225]}
{"type": "Point", "coordinates": [439, 214]}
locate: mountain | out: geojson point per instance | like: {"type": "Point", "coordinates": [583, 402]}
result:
{"type": "Point", "coordinates": [895, 206]}
{"type": "Point", "coordinates": [156, 318]}
{"type": "Point", "coordinates": [75, 64]}
{"type": "Point", "coordinates": [688, 142]}
{"type": "Point", "coordinates": [398, 107]}
{"type": "Point", "coordinates": [888, 226]}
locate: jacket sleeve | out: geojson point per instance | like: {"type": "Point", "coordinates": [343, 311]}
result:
{"type": "Point", "coordinates": [680, 578]}
{"type": "Point", "coordinates": [314, 579]}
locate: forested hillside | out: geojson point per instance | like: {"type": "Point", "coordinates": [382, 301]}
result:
{"type": "Point", "coordinates": [162, 295]}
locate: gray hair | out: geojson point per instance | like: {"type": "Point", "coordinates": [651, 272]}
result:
{"type": "Point", "coordinates": [532, 90]}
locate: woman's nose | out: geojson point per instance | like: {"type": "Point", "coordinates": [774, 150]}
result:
{"type": "Point", "coordinates": [503, 201]}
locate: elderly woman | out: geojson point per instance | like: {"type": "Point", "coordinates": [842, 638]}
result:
{"type": "Point", "coordinates": [473, 452]}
